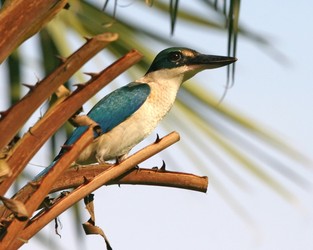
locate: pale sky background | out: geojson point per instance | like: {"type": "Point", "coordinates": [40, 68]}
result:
{"type": "Point", "coordinates": [277, 95]}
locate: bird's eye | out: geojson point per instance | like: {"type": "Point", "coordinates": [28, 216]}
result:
{"type": "Point", "coordinates": [175, 56]}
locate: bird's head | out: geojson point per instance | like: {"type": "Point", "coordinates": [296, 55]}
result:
{"type": "Point", "coordinates": [184, 63]}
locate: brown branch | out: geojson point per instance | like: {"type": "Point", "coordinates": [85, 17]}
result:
{"type": "Point", "coordinates": [20, 19]}
{"type": "Point", "coordinates": [77, 176]}
{"type": "Point", "coordinates": [43, 89]}
{"type": "Point", "coordinates": [45, 127]}
{"type": "Point", "coordinates": [42, 187]}
{"type": "Point", "coordinates": [101, 179]}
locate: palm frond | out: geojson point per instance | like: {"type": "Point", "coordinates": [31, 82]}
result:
{"type": "Point", "coordinates": [88, 19]}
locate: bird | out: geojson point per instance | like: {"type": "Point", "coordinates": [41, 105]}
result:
{"type": "Point", "coordinates": [130, 113]}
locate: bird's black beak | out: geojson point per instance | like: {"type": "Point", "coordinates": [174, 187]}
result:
{"type": "Point", "coordinates": [210, 61]}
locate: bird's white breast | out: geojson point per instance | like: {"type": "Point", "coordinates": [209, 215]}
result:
{"type": "Point", "coordinates": [121, 139]}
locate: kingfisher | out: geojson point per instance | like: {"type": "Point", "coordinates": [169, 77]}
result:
{"type": "Point", "coordinates": [129, 114]}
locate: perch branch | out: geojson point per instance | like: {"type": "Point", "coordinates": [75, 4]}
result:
{"type": "Point", "coordinates": [111, 173]}
{"type": "Point", "coordinates": [75, 177]}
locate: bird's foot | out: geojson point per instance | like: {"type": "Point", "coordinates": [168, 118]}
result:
{"type": "Point", "coordinates": [121, 158]}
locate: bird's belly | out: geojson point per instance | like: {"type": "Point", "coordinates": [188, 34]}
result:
{"type": "Point", "coordinates": [122, 138]}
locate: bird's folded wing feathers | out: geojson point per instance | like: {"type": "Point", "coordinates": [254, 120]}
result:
{"type": "Point", "coordinates": [113, 109]}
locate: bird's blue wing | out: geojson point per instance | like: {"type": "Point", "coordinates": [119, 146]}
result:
{"type": "Point", "coordinates": [119, 105]}
{"type": "Point", "coordinates": [114, 108]}
{"type": "Point", "coordinates": [109, 112]}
